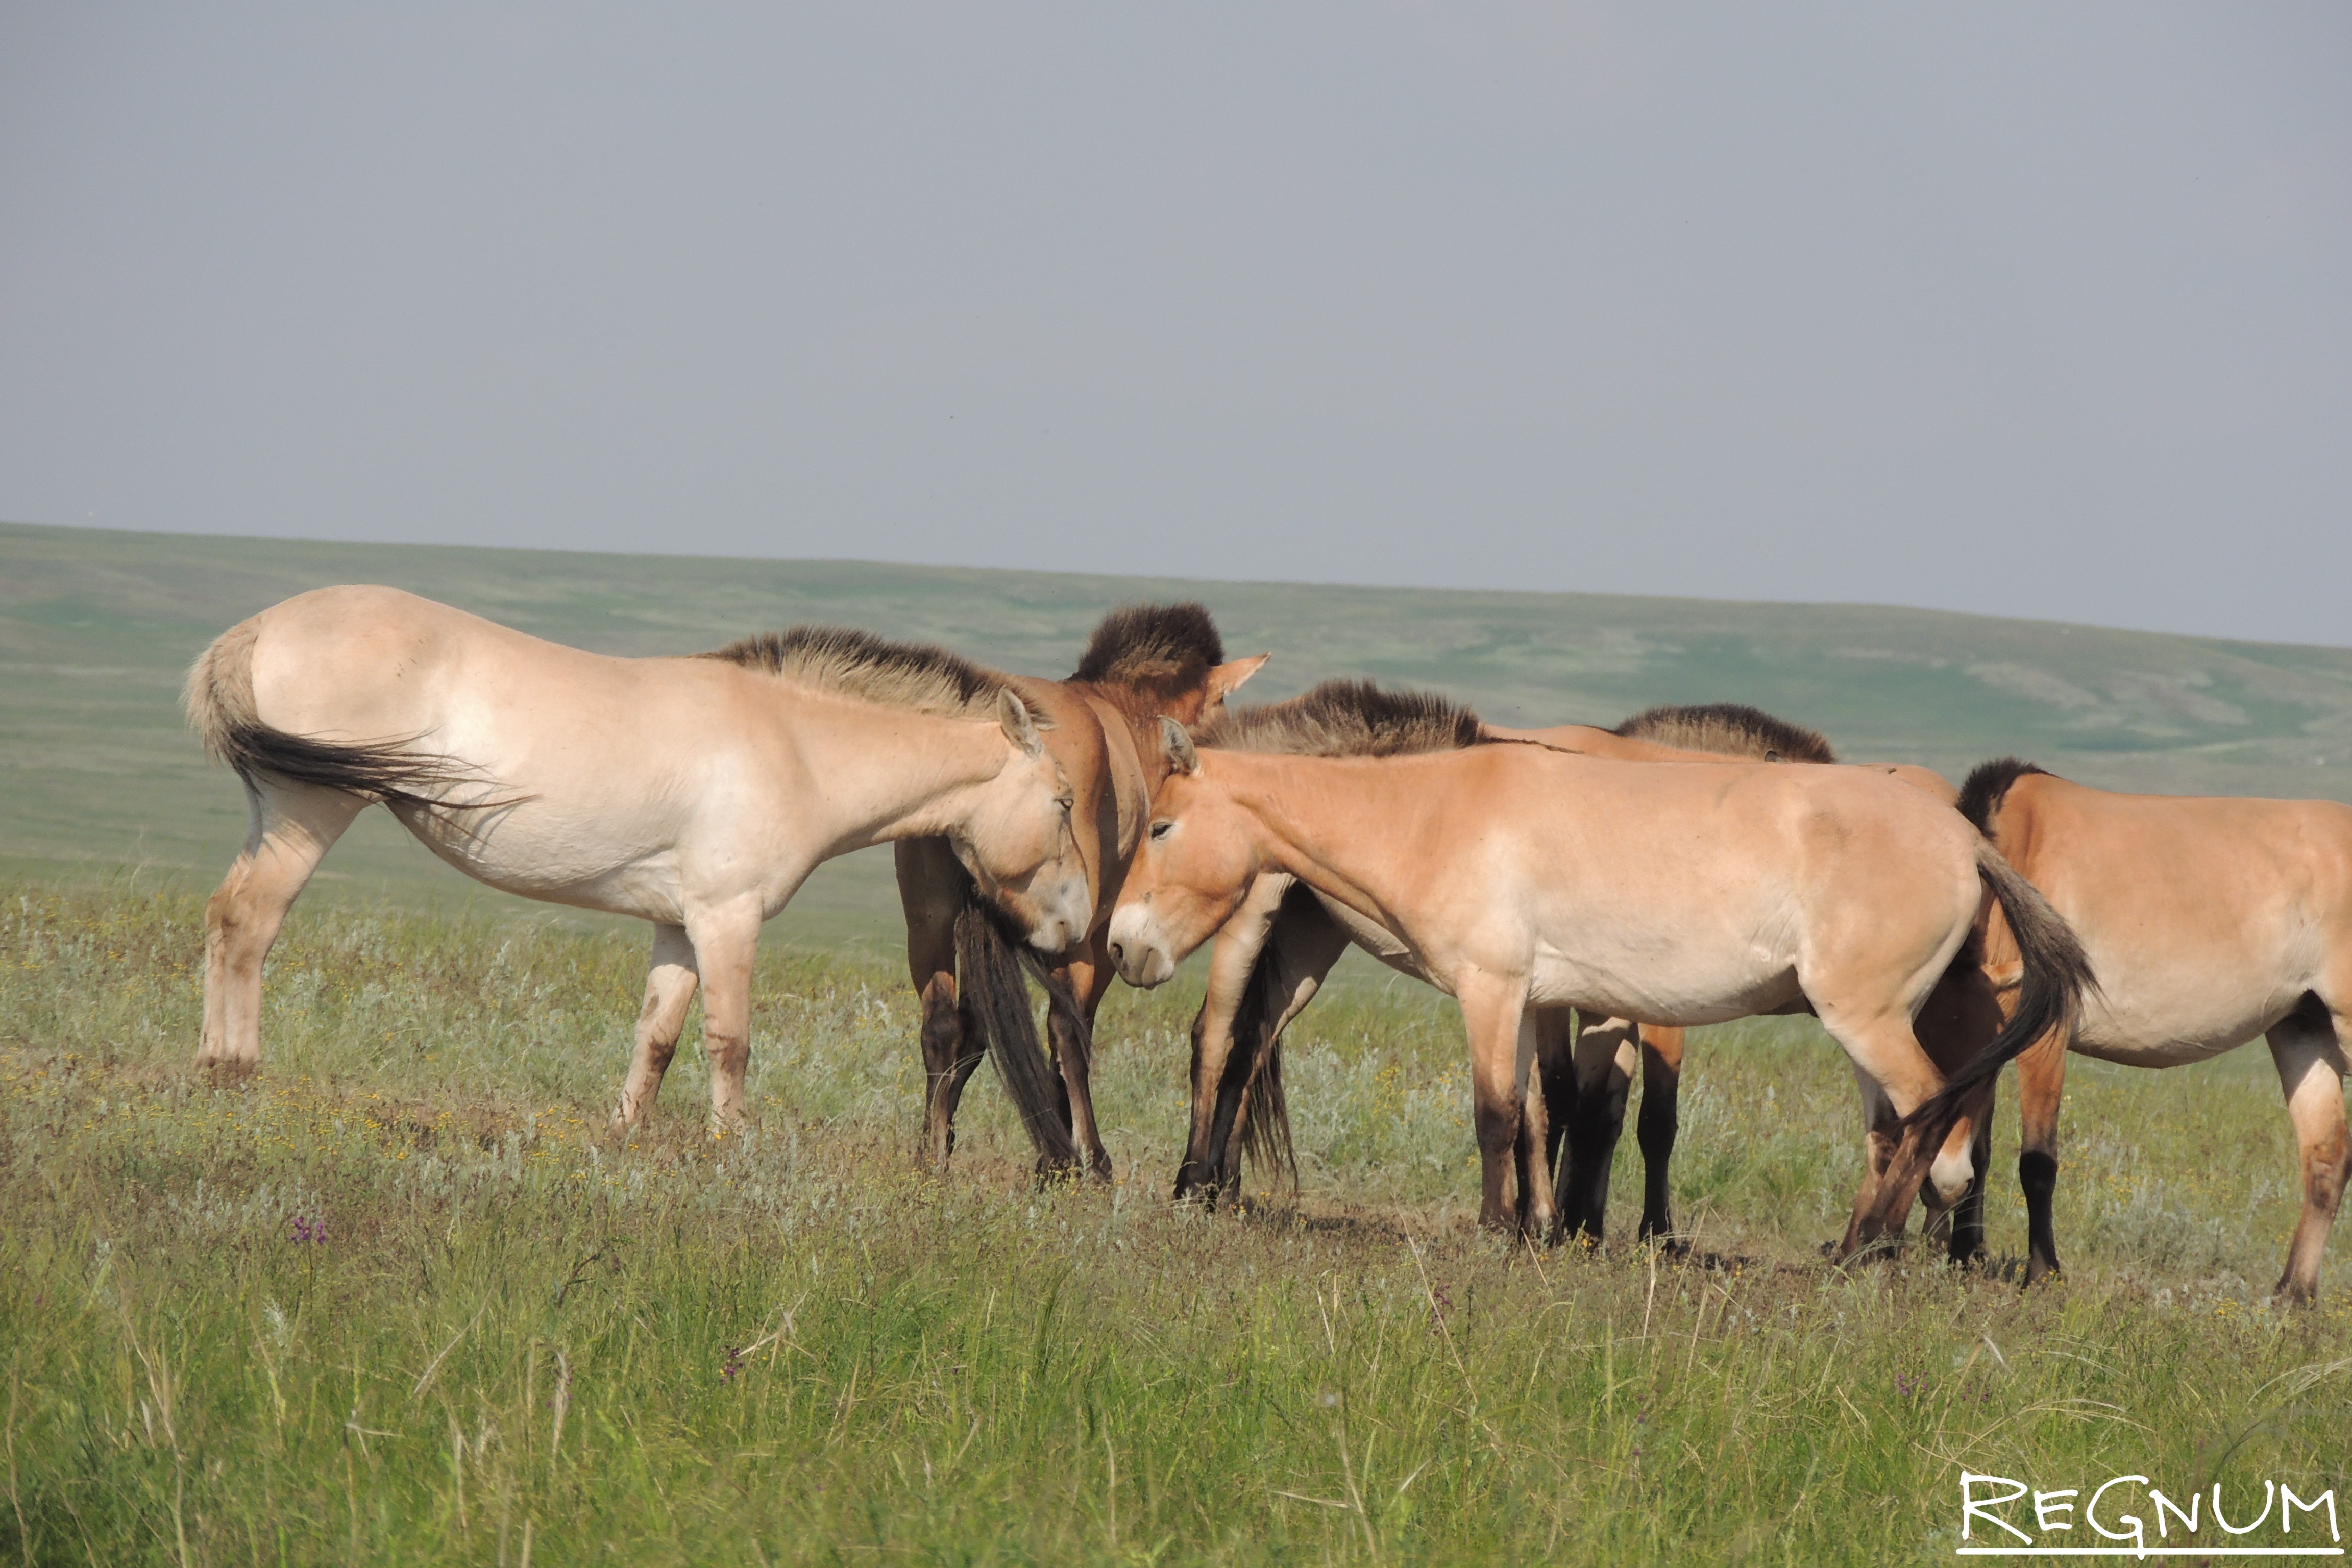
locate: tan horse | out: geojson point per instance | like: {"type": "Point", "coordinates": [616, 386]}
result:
{"type": "Point", "coordinates": [1142, 662]}
{"type": "Point", "coordinates": [1519, 875]}
{"type": "Point", "coordinates": [696, 794]}
{"type": "Point", "coordinates": [2211, 921]}
{"type": "Point", "coordinates": [1271, 959]}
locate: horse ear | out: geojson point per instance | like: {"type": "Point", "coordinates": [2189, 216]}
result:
{"type": "Point", "coordinates": [1227, 678]}
{"type": "Point", "coordinates": [1181, 757]}
{"type": "Point", "coordinates": [1019, 728]}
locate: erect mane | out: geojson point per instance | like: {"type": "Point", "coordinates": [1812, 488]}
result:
{"type": "Point", "coordinates": [1733, 729]}
{"type": "Point", "coordinates": [1160, 651]}
{"type": "Point", "coordinates": [1987, 784]}
{"type": "Point", "coordinates": [1348, 719]}
{"type": "Point", "coordinates": [918, 676]}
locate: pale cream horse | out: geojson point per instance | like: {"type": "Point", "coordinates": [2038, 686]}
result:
{"type": "Point", "coordinates": [2211, 921]}
{"type": "Point", "coordinates": [1520, 876]}
{"type": "Point", "coordinates": [695, 793]}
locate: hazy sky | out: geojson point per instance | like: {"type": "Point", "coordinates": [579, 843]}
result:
{"type": "Point", "coordinates": [2031, 310]}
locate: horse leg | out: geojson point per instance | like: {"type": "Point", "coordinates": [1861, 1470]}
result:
{"type": "Point", "coordinates": [1502, 1056]}
{"type": "Point", "coordinates": [1555, 1077]}
{"type": "Point", "coordinates": [1960, 1018]}
{"type": "Point", "coordinates": [1550, 1106]}
{"type": "Point", "coordinates": [1300, 946]}
{"type": "Point", "coordinates": [1606, 1054]}
{"type": "Point", "coordinates": [724, 939]}
{"type": "Point", "coordinates": [1880, 1133]}
{"type": "Point", "coordinates": [1661, 1079]}
{"type": "Point", "coordinates": [669, 987]}
{"type": "Point", "coordinates": [1897, 1078]}
{"type": "Point", "coordinates": [289, 829]}
{"type": "Point", "coordinates": [931, 888]}
{"type": "Point", "coordinates": [2041, 1084]}
{"type": "Point", "coordinates": [1218, 1074]}
{"type": "Point", "coordinates": [2307, 1048]}
{"type": "Point", "coordinates": [1088, 978]}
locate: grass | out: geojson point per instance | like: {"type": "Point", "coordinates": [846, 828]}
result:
{"type": "Point", "coordinates": [402, 1298]}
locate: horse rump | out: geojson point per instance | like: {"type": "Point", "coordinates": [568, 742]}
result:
{"type": "Point", "coordinates": [218, 698]}
{"type": "Point", "coordinates": [2049, 997]}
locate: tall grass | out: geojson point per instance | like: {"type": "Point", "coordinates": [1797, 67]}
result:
{"type": "Point", "coordinates": [402, 1299]}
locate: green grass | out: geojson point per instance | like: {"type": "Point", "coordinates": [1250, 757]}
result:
{"type": "Point", "coordinates": [522, 1337]}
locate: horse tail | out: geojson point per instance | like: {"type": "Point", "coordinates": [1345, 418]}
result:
{"type": "Point", "coordinates": [220, 702]}
{"type": "Point", "coordinates": [991, 985]}
{"type": "Point", "coordinates": [1257, 1053]}
{"type": "Point", "coordinates": [2057, 973]}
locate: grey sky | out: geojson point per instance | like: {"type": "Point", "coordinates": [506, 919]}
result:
{"type": "Point", "coordinates": [2040, 311]}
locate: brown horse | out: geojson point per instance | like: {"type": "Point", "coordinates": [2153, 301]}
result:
{"type": "Point", "coordinates": [1520, 876]}
{"type": "Point", "coordinates": [696, 794]}
{"type": "Point", "coordinates": [2211, 921]}
{"type": "Point", "coordinates": [1143, 663]}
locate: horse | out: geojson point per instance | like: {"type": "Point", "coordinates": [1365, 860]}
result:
{"type": "Point", "coordinates": [693, 792]}
{"type": "Point", "coordinates": [1519, 875]}
{"type": "Point", "coordinates": [1143, 662]}
{"type": "Point", "coordinates": [1271, 959]}
{"type": "Point", "coordinates": [2211, 921]}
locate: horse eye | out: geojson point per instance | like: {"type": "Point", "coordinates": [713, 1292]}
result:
{"type": "Point", "coordinates": [1159, 829]}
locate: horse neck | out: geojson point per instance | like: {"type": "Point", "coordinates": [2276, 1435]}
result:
{"type": "Point", "coordinates": [1334, 823]}
{"type": "Point", "coordinates": [889, 772]}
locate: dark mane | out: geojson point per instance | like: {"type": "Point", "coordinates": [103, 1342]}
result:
{"type": "Point", "coordinates": [1733, 729]}
{"type": "Point", "coordinates": [1160, 651]}
{"type": "Point", "coordinates": [1987, 784]}
{"type": "Point", "coordinates": [1348, 719]}
{"type": "Point", "coordinates": [856, 663]}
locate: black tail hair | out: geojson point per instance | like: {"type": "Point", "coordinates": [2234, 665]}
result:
{"type": "Point", "coordinates": [2057, 973]}
{"type": "Point", "coordinates": [219, 697]}
{"type": "Point", "coordinates": [386, 770]}
{"type": "Point", "coordinates": [990, 968]}
{"type": "Point", "coordinates": [1265, 1136]}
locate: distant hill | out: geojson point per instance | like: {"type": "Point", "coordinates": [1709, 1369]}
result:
{"type": "Point", "coordinates": [96, 772]}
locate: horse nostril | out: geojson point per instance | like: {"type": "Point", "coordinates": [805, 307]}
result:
{"type": "Point", "coordinates": [1118, 954]}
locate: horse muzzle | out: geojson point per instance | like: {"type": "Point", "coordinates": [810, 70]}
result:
{"type": "Point", "coordinates": [1062, 920]}
{"type": "Point", "coordinates": [1139, 960]}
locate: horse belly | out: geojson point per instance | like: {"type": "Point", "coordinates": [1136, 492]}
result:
{"type": "Point", "coordinates": [1677, 988]}
{"type": "Point", "coordinates": [526, 854]}
{"type": "Point", "coordinates": [2173, 1030]}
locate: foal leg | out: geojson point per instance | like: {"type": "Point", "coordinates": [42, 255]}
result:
{"type": "Point", "coordinates": [669, 987]}
{"type": "Point", "coordinates": [931, 887]}
{"type": "Point", "coordinates": [1606, 1054]}
{"type": "Point", "coordinates": [725, 938]}
{"type": "Point", "coordinates": [2041, 1084]}
{"type": "Point", "coordinates": [1661, 1082]}
{"type": "Point", "coordinates": [1088, 979]}
{"type": "Point", "coordinates": [289, 829]}
{"type": "Point", "coordinates": [2307, 1047]}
